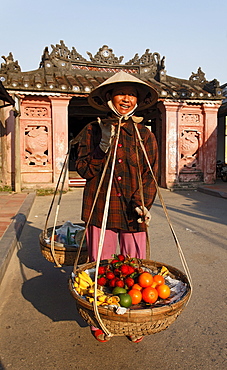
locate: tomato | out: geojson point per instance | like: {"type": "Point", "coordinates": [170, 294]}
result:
{"type": "Point", "coordinates": [110, 275]}
{"type": "Point", "coordinates": [131, 269]}
{"type": "Point", "coordinates": [102, 281]}
{"type": "Point", "coordinates": [137, 286]}
{"type": "Point", "coordinates": [120, 283]}
{"type": "Point", "coordinates": [112, 282]}
{"type": "Point", "coordinates": [124, 270]}
{"type": "Point", "coordinates": [136, 296]}
{"type": "Point", "coordinates": [101, 270]}
{"type": "Point", "coordinates": [163, 291]}
{"type": "Point", "coordinates": [115, 260]}
{"type": "Point", "coordinates": [159, 279]}
{"type": "Point", "coordinates": [121, 257]}
{"type": "Point", "coordinates": [129, 282]}
{"type": "Point", "coordinates": [145, 279]}
{"type": "Point", "coordinates": [149, 295]}
{"type": "Point", "coordinates": [117, 272]}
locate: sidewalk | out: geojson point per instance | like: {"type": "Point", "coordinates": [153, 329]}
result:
{"type": "Point", "coordinates": [219, 189]}
{"type": "Point", "coordinates": [15, 208]}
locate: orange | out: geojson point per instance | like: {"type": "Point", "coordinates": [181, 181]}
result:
{"type": "Point", "coordinates": [159, 279]}
{"type": "Point", "coordinates": [136, 296]}
{"type": "Point", "coordinates": [137, 286]}
{"type": "Point", "coordinates": [163, 291]}
{"type": "Point", "coordinates": [145, 279]}
{"type": "Point", "coordinates": [154, 284]}
{"type": "Point", "coordinates": [150, 295]}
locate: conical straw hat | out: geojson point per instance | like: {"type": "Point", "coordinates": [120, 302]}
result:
{"type": "Point", "coordinates": [147, 95]}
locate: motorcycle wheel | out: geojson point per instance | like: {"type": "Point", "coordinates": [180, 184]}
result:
{"type": "Point", "coordinates": [224, 177]}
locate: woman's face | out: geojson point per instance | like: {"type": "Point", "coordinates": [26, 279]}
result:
{"type": "Point", "coordinates": [124, 99]}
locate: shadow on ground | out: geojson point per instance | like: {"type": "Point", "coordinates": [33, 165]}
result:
{"type": "Point", "coordinates": [48, 292]}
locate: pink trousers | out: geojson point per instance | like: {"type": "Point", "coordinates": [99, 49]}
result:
{"type": "Point", "coordinates": [133, 244]}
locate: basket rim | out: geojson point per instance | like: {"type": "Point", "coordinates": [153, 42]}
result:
{"type": "Point", "coordinates": [57, 245]}
{"type": "Point", "coordinates": [151, 311]}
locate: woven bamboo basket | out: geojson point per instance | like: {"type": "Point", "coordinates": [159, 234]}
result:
{"type": "Point", "coordinates": [64, 254]}
{"type": "Point", "coordinates": [139, 322]}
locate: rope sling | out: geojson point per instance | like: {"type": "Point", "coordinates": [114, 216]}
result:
{"type": "Point", "coordinates": [105, 215]}
{"type": "Point", "coordinates": [113, 148]}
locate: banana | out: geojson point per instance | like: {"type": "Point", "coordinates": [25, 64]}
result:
{"type": "Point", "coordinates": [164, 271]}
{"type": "Point", "coordinates": [84, 284]}
{"type": "Point", "coordinates": [90, 299]}
{"type": "Point", "coordinates": [102, 298]}
{"type": "Point", "coordinates": [113, 300]}
{"type": "Point", "coordinates": [91, 291]}
{"type": "Point", "coordinates": [86, 277]}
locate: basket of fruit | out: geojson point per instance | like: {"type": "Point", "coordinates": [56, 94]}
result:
{"type": "Point", "coordinates": [133, 297]}
{"type": "Point", "coordinates": [64, 244]}
{"type": "Point", "coordinates": [65, 247]}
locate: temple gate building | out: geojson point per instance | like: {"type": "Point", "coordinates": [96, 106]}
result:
{"type": "Point", "coordinates": [52, 108]}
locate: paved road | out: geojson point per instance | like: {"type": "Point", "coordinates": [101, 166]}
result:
{"type": "Point", "coordinates": [41, 329]}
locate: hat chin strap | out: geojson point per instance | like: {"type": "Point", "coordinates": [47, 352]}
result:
{"type": "Point", "coordinates": [126, 116]}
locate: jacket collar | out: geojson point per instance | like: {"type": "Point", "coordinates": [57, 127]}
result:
{"type": "Point", "coordinates": [128, 127]}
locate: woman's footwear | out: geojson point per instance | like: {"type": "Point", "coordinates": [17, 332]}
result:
{"type": "Point", "coordinates": [135, 339]}
{"type": "Point", "coordinates": [99, 335]}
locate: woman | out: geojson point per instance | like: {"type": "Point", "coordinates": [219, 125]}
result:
{"type": "Point", "coordinates": [133, 189]}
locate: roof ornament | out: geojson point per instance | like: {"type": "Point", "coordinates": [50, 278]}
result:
{"type": "Point", "coordinates": [213, 87]}
{"type": "Point", "coordinates": [105, 55]}
{"type": "Point", "coordinates": [44, 58]}
{"type": "Point", "coordinates": [147, 58]}
{"type": "Point", "coordinates": [151, 62]}
{"type": "Point", "coordinates": [10, 65]}
{"type": "Point", "coordinates": [198, 77]}
{"type": "Point", "coordinates": [61, 51]}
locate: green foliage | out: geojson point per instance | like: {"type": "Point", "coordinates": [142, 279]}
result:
{"type": "Point", "coordinates": [43, 192]}
{"type": "Point", "coordinates": [6, 188]}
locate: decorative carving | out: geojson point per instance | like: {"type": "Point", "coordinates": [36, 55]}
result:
{"type": "Point", "coordinates": [190, 118]}
{"type": "Point", "coordinates": [148, 58]}
{"type": "Point", "coordinates": [189, 145]}
{"type": "Point", "coordinates": [10, 65]}
{"type": "Point", "coordinates": [134, 61]}
{"type": "Point", "coordinates": [198, 77]}
{"type": "Point", "coordinates": [36, 112]}
{"type": "Point", "coordinates": [36, 145]}
{"type": "Point", "coordinates": [153, 60]}
{"type": "Point", "coordinates": [212, 87]}
{"type": "Point", "coordinates": [76, 57]}
{"type": "Point", "coordinates": [105, 55]}
{"type": "Point", "coordinates": [60, 51]}
{"type": "Point", "coordinates": [45, 57]}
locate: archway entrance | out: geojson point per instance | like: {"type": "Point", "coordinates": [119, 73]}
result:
{"type": "Point", "coordinates": [80, 113]}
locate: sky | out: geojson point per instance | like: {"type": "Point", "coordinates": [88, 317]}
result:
{"type": "Point", "coordinates": [190, 34]}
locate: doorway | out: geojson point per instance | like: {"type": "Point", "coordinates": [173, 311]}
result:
{"type": "Point", "coordinates": [80, 113]}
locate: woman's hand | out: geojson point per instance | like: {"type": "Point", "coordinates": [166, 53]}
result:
{"type": "Point", "coordinates": [145, 215]}
{"type": "Point", "coordinates": [108, 132]}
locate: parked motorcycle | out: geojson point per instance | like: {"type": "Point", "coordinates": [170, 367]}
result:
{"type": "Point", "coordinates": [219, 166]}
{"type": "Point", "coordinates": [224, 173]}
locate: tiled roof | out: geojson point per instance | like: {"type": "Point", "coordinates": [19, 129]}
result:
{"type": "Point", "coordinates": [5, 97]}
{"type": "Point", "coordinates": [67, 72]}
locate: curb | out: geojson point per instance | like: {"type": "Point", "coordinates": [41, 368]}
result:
{"type": "Point", "coordinates": [11, 236]}
{"type": "Point", "coordinates": [216, 193]}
